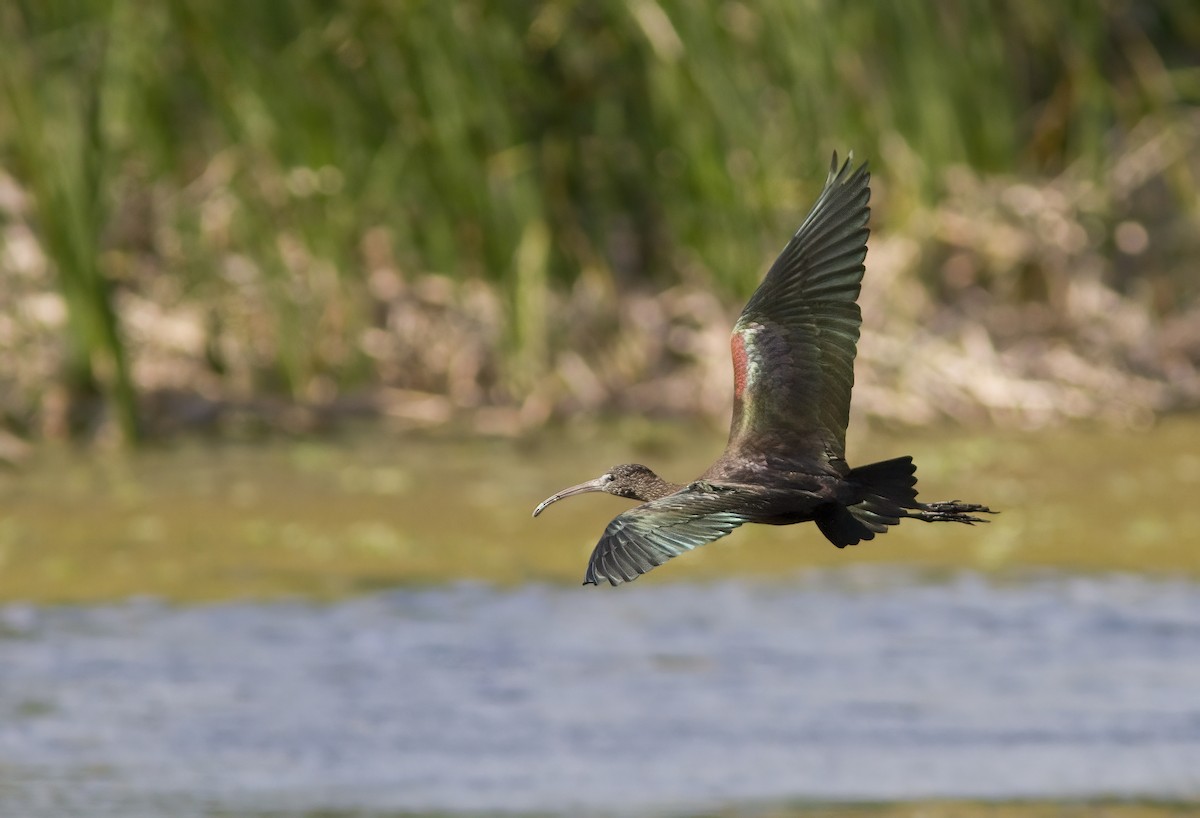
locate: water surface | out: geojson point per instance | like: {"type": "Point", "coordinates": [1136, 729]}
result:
{"type": "Point", "coordinates": [645, 700]}
{"type": "Point", "coordinates": [430, 652]}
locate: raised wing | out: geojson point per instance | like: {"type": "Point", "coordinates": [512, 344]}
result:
{"type": "Point", "coordinates": [652, 533]}
{"type": "Point", "coordinates": [795, 342]}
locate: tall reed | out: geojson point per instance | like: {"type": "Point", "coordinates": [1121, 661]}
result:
{"type": "Point", "coordinates": [58, 138]}
{"type": "Point", "coordinates": [520, 143]}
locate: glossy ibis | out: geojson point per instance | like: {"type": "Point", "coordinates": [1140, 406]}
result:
{"type": "Point", "coordinates": [793, 369]}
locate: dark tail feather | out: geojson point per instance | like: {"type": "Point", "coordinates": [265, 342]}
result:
{"type": "Point", "coordinates": [841, 528]}
{"type": "Point", "coordinates": [889, 491]}
{"type": "Point", "coordinates": [890, 495]}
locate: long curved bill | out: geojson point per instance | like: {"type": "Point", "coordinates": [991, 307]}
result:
{"type": "Point", "coordinates": [582, 488]}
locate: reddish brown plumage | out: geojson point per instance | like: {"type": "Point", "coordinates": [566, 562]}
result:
{"type": "Point", "coordinates": [738, 348]}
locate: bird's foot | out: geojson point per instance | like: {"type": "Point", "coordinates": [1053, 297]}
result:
{"type": "Point", "coordinates": [951, 511]}
{"type": "Point", "coordinates": [938, 517]}
{"type": "Point", "coordinates": [956, 507]}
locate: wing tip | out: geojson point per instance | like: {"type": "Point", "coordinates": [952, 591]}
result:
{"type": "Point", "coordinates": [604, 574]}
{"type": "Point", "coordinates": [594, 578]}
{"type": "Point", "coordinates": [843, 173]}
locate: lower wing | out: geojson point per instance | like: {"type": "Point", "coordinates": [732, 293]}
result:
{"type": "Point", "coordinates": [652, 533]}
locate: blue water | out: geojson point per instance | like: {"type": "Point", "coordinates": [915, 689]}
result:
{"type": "Point", "coordinates": [633, 700]}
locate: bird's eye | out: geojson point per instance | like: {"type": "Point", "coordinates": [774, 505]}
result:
{"type": "Point", "coordinates": [607, 478]}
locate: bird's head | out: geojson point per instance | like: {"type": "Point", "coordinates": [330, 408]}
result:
{"type": "Point", "coordinates": [631, 480]}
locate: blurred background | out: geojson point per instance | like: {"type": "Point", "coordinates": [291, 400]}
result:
{"type": "Point", "coordinates": [304, 306]}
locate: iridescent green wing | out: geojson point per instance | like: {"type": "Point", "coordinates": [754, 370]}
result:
{"type": "Point", "coordinates": [652, 533]}
{"type": "Point", "coordinates": [794, 344]}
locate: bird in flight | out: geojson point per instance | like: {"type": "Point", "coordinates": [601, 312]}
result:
{"type": "Point", "coordinates": [793, 369]}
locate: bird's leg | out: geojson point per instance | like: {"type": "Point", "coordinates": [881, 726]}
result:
{"type": "Point", "coordinates": [950, 511]}
{"type": "Point", "coordinates": [956, 507]}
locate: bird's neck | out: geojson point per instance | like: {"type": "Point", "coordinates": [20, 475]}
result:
{"type": "Point", "coordinates": [655, 487]}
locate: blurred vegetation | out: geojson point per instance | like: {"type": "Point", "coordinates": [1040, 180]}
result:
{"type": "Point", "coordinates": [216, 203]}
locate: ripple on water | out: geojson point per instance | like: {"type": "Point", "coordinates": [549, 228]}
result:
{"type": "Point", "coordinates": [555, 699]}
